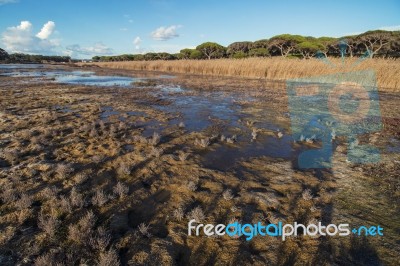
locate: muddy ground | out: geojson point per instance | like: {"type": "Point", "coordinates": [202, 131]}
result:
{"type": "Point", "coordinates": [94, 174]}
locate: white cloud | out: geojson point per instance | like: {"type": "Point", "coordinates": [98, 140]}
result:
{"type": "Point", "coordinates": [165, 33]}
{"type": "Point", "coordinates": [3, 2]}
{"type": "Point", "coordinates": [20, 39]}
{"type": "Point", "coordinates": [24, 25]}
{"type": "Point", "coordinates": [130, 20]}
{"type": "Point", "coordinates": [123, 29]}
{"type": "Point", "coordinates": [46, 30]}
{"type": "Point", "coordinates": [98, 49]}
{"type": "Point", "coordinates": [391, 28]}
{"type": "Point", "coordinates": [137, 41]}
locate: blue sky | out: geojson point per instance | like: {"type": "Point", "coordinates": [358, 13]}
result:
{"type": "Point", "coordinates": [88, 27]}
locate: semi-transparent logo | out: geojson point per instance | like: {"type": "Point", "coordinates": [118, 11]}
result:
{"type": "Point", "coordinates": [323, 108]}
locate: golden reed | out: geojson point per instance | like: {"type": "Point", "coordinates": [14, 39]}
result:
{"type": "Point", "coordinates": [276, 68]}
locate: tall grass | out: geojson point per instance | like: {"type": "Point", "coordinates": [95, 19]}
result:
{"type": "Point", "coordinates": [387, 70]}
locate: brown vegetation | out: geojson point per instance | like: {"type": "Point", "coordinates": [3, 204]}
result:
{"type": "Point", "coordinates": [276, 68]}
{"type": "Point", "coordinates": [72, 192]}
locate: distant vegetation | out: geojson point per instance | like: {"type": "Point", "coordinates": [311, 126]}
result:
{"type": "Point", "coordinates": [28, 58]}
{"type": "Point", "coordinates": [376, 43]}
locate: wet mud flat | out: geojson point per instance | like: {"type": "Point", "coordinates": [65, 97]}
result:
{"type": "Point", "coordinates": [115, 163]}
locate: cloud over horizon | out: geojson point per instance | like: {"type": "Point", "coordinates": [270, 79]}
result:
{"type": "Point", "coordinates": [165, 33]}
{"type": "Point", "coordinates": [137, 41]}
{"type": "Point", "coordinates": [20, 39]}
{"type": "Point", "coordinates": [46, 30]}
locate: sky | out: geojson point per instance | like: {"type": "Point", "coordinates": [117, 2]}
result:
{"type": "Point", "coordinates": [84, 28]}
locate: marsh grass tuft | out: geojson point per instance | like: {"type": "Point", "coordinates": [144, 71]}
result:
{"type": "Point", "coordinates": [121, 190]}
{"type": "Point", "coordinates": [48, 224]}
{"type": "Point", "coordinates": [227, 194]}
{"type": "Point", "coordinates": [155, 139]}
{"type": "Point", "coordinates": [99, 198]}
{"type": "Point", "coordinates": [307, 195]}
{"type": "Point", "coordinates": [64, 170]}
{"type": "Point", "coordinates": [178, 214]}
{"type": "Point", "coordinates": [204, 143]}
{"type": "Point", "coordinates": [144, 230]}
{"type": "Point", "coordinates": [197, 214]}
{"type": "Point", "coordinates": [183, 156]}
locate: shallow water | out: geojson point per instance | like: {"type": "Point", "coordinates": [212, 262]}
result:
{"type": "Point", "coordinates": [224, 156]}
{"type": "Point", "coordinates": [87, 78]}
{"type": "Point", "coordinates": [21, 66]}
{"type": "Point", "coordinates": [199, 112]}
{"type": "Point", "coordinates": [75, 77]}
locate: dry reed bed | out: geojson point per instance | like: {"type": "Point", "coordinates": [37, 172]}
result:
{"type": "Point", "coordinates": [387, 70]}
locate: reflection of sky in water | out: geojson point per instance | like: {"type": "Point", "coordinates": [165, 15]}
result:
{"type": "Point", "coordinates": [198, 112]}
{"type": "Point", "coordinates": [47, 74]}
{"type": "Point", "coordinates": [68, 77]}
{"type": "Point", "coordinates": [20, 66]}
{"type": "Point", "coordinates": [94, 80]}
{"type": "Point", "coordinates": [75, 77]}
{"type": "Point", "coordinates": [225, 155]}
{"type": "Point", "coordinates": [172, 89]}
{"type": "Point", "coordinates": [201, 111]}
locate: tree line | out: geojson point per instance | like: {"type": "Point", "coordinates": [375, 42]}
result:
{"type": "Point", "coordinates": [378, 43]}
{"type": "Point", "coordinates": [30, 58]}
